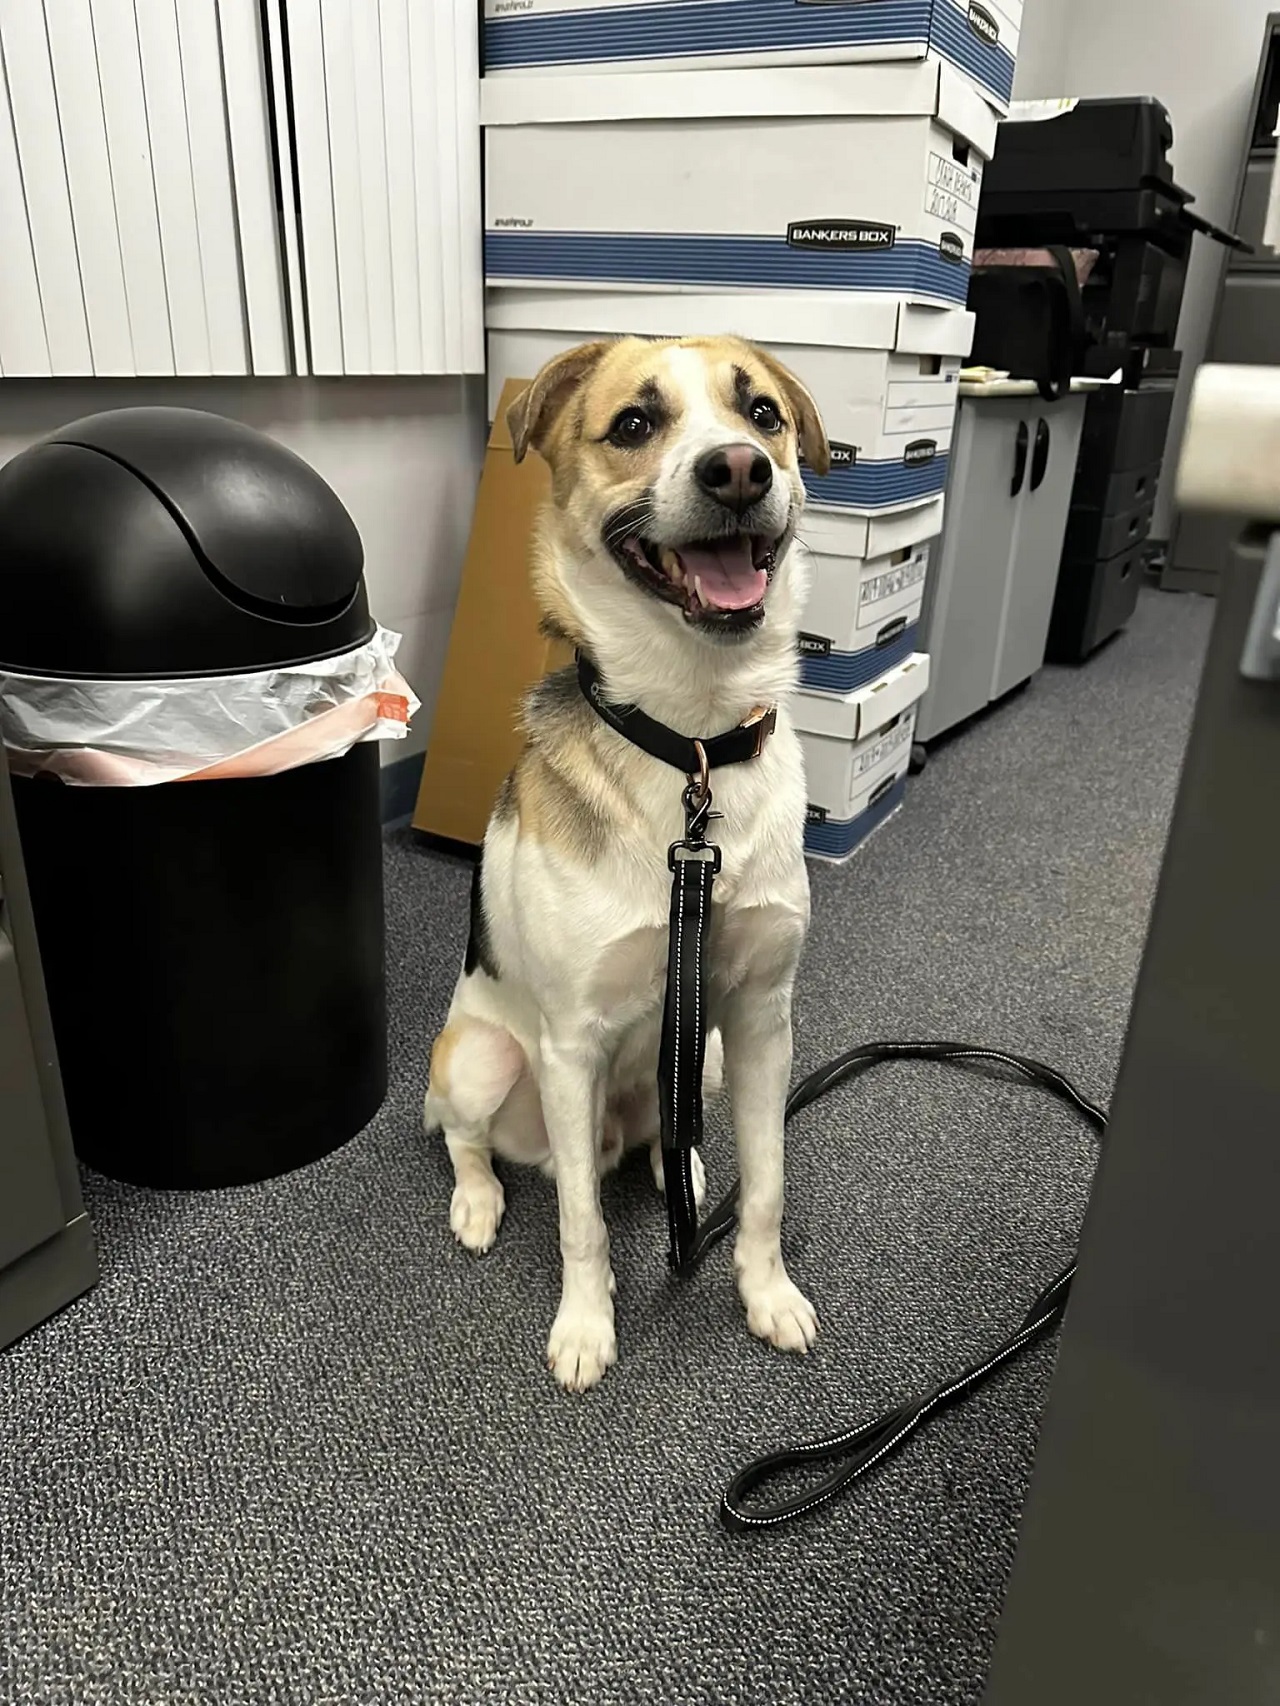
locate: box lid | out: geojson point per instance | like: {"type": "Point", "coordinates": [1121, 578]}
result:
{"type": "Point", "coordinates": [828, 534]}
{"type": "Point", "coordinates": [1009, 10]}
{"type": "Point", "coordinates": [920, 88]}
{"type": "Point", "coordinates": [935, 331]}
{"type": "Point", "coordinates": [856, 715]}
{"type": "Point", "coordinates": [832, 319]}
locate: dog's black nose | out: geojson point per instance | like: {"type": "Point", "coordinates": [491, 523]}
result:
{"type": "Point", "coordinates": [736, 476]}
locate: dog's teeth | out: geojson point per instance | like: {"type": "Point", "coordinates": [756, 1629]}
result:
{"type": "Point", "coordinates": [703, 600]}
{"type": "Point", "coordinates": [672, 566]}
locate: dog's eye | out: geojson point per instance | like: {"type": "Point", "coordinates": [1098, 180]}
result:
{"type": "Point", "coordinates": [630, 428]}
{"type": "Point", "coordinates": [765, 415]}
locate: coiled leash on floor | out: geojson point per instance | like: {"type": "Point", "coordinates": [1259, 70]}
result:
{"type": "Point", "coordinates": [857, 1450]}
{"type": "Point", "coordinates": [695, 864]}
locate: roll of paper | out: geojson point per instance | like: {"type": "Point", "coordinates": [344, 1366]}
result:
{"type": "Point", "coordinates": [1231, 451]}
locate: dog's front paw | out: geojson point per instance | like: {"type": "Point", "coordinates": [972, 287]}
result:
{"type": "Point", "coordinates": [778, 1311]}
{"type": "Point", "coordinates": [475, 1214]}
{"type": "Point", "coordinates": [582, 1345]}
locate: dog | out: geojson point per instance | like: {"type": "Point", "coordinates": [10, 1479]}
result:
{"type": "Point", "coordinates": [666, 555]}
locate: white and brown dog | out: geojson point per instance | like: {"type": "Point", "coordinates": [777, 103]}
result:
{"type": "Point", "coordinates": [665, 556]}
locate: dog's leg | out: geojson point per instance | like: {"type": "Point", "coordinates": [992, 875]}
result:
{"type": "Point", "coordinates": [572, 1078]}
{"type": "Point", "coordinates": [474, 1068]}
{"type": "Point", "coordinates": [757, 1052]}
{"type": "Point", "coordinates": [478, 1202]}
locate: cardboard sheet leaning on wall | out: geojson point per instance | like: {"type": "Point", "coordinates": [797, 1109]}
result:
{"type": "Point", "coordinates": [497, 650]}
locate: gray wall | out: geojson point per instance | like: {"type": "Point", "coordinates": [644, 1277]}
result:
{"type": "Point", "coordinates": [1042, 49]}
{"type": "Point", "coordinates": [1197, 56]}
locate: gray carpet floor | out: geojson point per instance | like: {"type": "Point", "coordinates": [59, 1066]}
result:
{"type": "Point", "coordinates": [298, 1449]}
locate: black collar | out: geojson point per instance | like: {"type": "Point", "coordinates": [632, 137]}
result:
{"type": "Point", "coordinates": [681, 753]}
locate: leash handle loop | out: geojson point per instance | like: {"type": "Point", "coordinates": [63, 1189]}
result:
{"type": "Point", "coordinates": [843, 1457]}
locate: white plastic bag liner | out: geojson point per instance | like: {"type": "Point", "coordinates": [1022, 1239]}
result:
{"type": "Point", "coordinates": [126, 734]}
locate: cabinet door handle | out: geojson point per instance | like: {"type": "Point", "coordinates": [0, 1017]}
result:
{"type": "Point", "coordinates": [1040, 460]}
{"type": "Point", "coordinates": [1020, 460]}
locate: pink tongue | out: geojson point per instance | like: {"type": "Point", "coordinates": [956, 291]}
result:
{"type": "Point", "coordinates": [730, 579]}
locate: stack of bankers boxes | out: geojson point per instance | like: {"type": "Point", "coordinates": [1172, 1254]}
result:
{"type": "Point", "coordinates": [806, 175]}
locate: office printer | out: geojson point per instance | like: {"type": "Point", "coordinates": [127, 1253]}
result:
{"type": "Point", "coordinates": [1097, 174]}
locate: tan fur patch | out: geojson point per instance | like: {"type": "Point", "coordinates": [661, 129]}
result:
{"type": "Point", "coordinates": [576, 420]}
{"type": "Point", "coordinates": [442, 1051]}
{"type": "Point", "coordinates": [571, 802]}
{"type": "Point", "coordinates": [567, 795]}
{"type": "Point", "coordinates": [556, 810]}
{"type": "Point", "coordinates": [474, 1062]}
{"type": "Point", "coordinates": [558, 616]}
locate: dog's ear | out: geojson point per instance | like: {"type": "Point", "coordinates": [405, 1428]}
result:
{"type": "Point", "coordinates": [809, 428]}
{"type": "Point", "coordinates": [536, 410]}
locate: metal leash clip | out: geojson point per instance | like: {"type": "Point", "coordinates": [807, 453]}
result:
{"type": "Point", "coordinates": [697, 815]}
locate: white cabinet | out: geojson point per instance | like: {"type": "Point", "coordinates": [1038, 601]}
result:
{"type": "Point", "coordinates": [990, 592]}
{"type": "Point", "coordinates": [385, 160]}
{"type": "Point", "coordinates": [134, 236]}
{"type": "Point", "coordinates": [197, 187]}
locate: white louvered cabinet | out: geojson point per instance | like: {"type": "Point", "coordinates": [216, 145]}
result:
{"type": "Point", "coordinates": [222, 187]}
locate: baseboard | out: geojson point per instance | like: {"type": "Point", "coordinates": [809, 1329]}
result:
{"type": "Point", "coordinates": [400, 788]}
{"type": "Point", "coordinates": [47, 1279]}
{"type": "Point", "coordinates": [1206, 581]}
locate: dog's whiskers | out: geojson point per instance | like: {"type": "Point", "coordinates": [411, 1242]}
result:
{"type": "Point", "coordinates": [633, 519]}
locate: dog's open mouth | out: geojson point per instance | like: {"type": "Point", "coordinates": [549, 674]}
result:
{"type": "Point", "coordinates": [719, 581]}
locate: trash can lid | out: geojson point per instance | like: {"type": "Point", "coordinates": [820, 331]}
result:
{"type": "Point", "coordinates": [167, 542]}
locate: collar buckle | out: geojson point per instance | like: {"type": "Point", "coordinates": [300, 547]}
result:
{"type": "Point", "coordinates": [764, 722]}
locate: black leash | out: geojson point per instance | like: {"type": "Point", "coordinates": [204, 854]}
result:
{"type": "Point", "coordinates": [855, 1451]}
{"type": "Point", "coordinates": [682, 1053]}
{"type": "Point", "coordinates": [695, 864]}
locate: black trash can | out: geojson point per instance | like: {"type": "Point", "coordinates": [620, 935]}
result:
{"type": "Point", "coordinates": [213, 949]}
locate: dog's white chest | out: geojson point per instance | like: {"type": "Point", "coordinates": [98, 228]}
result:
{"type": "Point", "coordinates": [630, 972]}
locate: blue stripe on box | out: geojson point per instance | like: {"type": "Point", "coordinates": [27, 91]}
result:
{"type": "Point", "coordinates": [878, 485]}
{"type": "Point", "coordinates": [633, 257]}
{"type": "Point", "coordinates": [623, 33]}
{"type": "Point", "coordinates": [992, 67]}
{"type": "Point", "coordinates": [836, 840]}
{"type": "Point", "coordinates": [843, 672]}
